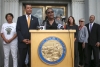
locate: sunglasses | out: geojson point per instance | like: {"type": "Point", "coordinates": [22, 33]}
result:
{"type": "Point", "coordinates": [50, 12]}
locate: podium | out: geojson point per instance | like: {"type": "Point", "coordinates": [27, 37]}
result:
{"type": "Point", "coordinates": [52, 48]}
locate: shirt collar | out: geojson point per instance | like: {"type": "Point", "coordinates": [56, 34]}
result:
{"type": "Point", "coordinates": [28, 15]}
{"type": "Point", "coordinates": [92, 23]}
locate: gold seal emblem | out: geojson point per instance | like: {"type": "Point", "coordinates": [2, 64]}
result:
{"type": "Point", "coordinates": [52, 50]}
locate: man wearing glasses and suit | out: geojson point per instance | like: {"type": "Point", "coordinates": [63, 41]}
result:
{"type": "Point", "coordinates": [24, 24]}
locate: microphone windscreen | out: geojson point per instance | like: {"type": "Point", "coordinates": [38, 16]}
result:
{"type": "Point", "coordinates": [59, 26]}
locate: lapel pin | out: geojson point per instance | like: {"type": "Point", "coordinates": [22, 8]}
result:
{"type": "Point", "coordinates": [32, 18]}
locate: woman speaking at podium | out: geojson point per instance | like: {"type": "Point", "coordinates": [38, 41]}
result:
{"type": "Point", "coordinates": [50, 22]}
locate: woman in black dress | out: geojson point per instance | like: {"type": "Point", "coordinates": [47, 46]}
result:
{"type": "Point", "coordinates": [71, 25]}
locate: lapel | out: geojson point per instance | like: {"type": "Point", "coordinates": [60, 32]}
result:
{"type": "Point", "coordinates": [31, 21]}
{"type": "Point", "coordinates": [93, 27]}
{"type": "Point", "coordinates": [25, 21]}
{"type": "Point", "coordinates": [88, 27]}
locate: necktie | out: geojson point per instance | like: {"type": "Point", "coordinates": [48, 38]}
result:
{"type": "Point", "coordinates": [28, 21]}
{"type": "Point", "coordinates": [90, 27]}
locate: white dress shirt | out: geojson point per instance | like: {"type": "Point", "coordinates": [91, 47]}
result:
{"type": "Point", "coordinates": [90, 24]}
{"type": "Point", "coordinates": [27, 16]}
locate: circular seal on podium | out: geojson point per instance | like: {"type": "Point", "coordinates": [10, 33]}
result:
{"type": "Point", "coordinates": [52, 50]}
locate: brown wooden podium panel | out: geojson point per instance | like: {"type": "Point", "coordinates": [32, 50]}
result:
{"type": "Point", "coordinates": [67, 36]}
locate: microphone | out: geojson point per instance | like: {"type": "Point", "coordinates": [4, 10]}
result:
{"type": "Point", "coordinates": [44, 24]}
{"type": "Point", "coordinates": [39, 28]}
{"type": "Point", "coordinates": [60, 26]}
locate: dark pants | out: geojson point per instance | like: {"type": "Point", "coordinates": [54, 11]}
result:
{"type": "Point", "coordinates": [95, 55]}
{"type": "Point", "coordinates": [76, 54]}
{"type": "Point", "coordinates": [22, 56]}
{"type": "Point", "coordinates": [82, 53]}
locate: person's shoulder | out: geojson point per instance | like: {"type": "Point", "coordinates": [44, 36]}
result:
{"type": "Point", "coordinates": [34, 17]}
{"type": "Point", "coordinates": [4, 24]}
{"type": "Point", "coordinates": [76, 25]}
{"type": "Point", "coordinates": [21, 16]}
{"type": "Point", "coordinates": [86, 24]}
{"type": "Point", "coordinates": [97, 24]}
{"type": "Point", "coordinates": [84, 27]}
{"type": "Point", "coordinates": [14, 23]}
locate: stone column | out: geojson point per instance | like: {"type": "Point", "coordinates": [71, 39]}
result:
{"type": "Point", "coordinates": [98, 11]}
{"type": "Point", "coordinates": [86, 11]}
{"type": "Point", "coordinates": [1, 47]}
{"type": "Point", "coordinates": [7, 6]}
{"type": "Point", "coordinates": [10, 6]}
{"type": "Point", "coordinates": [20, 9]}
{"type": "Point", "coordinates": [0, 10]}
{"type": "Point", "coordinates": [92, 8]}
{"type": "Point", "coordinates": [78, 9]}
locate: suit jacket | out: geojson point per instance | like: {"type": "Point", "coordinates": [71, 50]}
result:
{"type": "Point", "coordinates": [94, 35]}
{"type": "Point", "coordinates": [23, 30]}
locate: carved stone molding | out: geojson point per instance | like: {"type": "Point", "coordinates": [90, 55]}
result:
{"type": "Point", "coordinates": [10, 0]}
{"type": "Point", "coordinates": [77, 0]}
{"type": "Point", "coordinates": [46, 2]}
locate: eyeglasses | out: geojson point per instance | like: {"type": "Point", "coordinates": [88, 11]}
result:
{"type": "Point", "coordinates": [49, 12]}
{"type": "Point", "coordinates": [81, 21]}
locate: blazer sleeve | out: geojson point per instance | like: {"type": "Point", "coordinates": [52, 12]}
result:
{"type": "Point", "coordinates": [86, 34]}
{"type": "Point", "coordinates": [98, 30]}
{"type": "Point", "coordinates": [37, 22]}
{"type": "Point", "coordinates": [18, 30]}
{"type": "Point", "coordinates": [76, 33]}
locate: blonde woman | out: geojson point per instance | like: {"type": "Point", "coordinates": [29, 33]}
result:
{"type": "Point", "coordinates": [82, 42]}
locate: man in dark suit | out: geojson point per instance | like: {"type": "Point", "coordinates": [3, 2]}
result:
{"type": "Point", "coordinates": [93, 42]}
{"type": "Point", "coordinates": [24, 24]}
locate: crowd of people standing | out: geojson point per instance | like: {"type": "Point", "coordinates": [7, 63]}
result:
{"type": "Point", "coordinates": [16, 37]}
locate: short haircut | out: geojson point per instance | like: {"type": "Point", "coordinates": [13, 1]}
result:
{"type": "Point", "coordinates": [82, 19]}
{"type": "Point", "coordinates": [26, 5]}
{"type": "Point", "coordinates": [92, 15]}
{"type": "Point", "coordinates": [48, 9]}
{"type": "Point", "coordinates": [9, 14]}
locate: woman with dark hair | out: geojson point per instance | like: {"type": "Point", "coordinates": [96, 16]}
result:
{"type": "Point", "coordinates": [9, 36]}
{"type": "Point", "coordinates": [50, 22]}
{"type": "Point", "coordinates": [71, 25]}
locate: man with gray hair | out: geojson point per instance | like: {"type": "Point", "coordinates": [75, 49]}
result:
{"type": "Point", "coordinates": [93, 42]}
